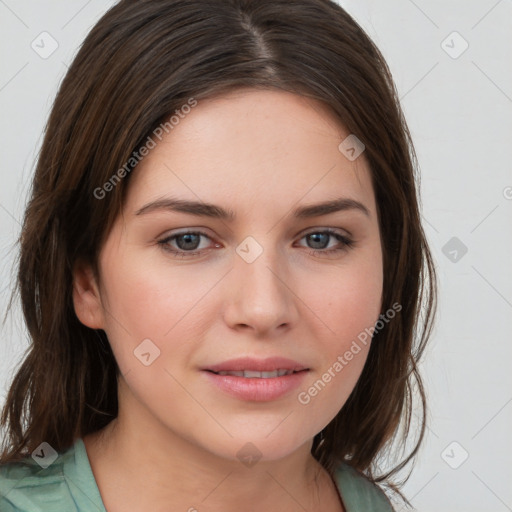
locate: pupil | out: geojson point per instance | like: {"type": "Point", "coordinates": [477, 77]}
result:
{"type": "Point", "coordinates": [190, 245]}
{"type": "Point", "coordinates": [322, 236]}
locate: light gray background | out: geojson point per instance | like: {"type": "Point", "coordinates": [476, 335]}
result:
{"type": "Point", "coordinates": [459, 111]}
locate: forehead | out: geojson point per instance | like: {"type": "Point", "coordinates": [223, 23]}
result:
{"type": "Point", "coordinates": [252, 147]}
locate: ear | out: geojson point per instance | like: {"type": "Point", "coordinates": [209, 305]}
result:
{"type": "Point", "coordinates": [86, 297]}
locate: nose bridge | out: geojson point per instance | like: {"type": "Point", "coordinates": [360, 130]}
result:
{"type": "Point", "coordinates": [258, 265]}
{"type": "Point", "coordinates": [261, 298]}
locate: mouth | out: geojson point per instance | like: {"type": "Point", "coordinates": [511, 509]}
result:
{"type": "Point", "coordinates": [252, 374]}
{"type": "Point", "coordinates": [253, 385]}
{"type": "Point", "coordinates": [255, 368]}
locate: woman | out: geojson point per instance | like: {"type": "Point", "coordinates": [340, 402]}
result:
{"type": "Point", "coordinates": [222, 267]}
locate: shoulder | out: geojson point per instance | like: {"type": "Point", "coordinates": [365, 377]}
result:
{"type": "Point", "coordinates": [359, 493]}
{"type": "Point", "coordinates": [31, 485]}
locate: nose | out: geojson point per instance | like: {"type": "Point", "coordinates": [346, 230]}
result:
{"type": "Point", "coordinates": [260, 295]}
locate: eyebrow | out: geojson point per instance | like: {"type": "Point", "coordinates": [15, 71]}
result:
{"type": "Point", "coordinates": [201, 209]}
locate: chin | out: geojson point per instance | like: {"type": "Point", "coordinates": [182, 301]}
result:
{"type": "Point", "coordinates": [250, 448]}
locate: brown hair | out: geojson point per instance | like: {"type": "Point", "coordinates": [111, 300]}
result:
{"type": "Point", "coordinates": [141, 62]}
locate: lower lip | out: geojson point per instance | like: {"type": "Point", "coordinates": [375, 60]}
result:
{"type": "Point", "coordinates": [255, 389]}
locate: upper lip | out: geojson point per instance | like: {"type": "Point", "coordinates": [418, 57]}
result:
{"type": "Point", "coordinates": [259, 365]}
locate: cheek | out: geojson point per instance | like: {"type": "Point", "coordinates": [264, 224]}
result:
{"type": "Point", "coordinates": [348, 303]}
{"type": "Point", "coordinates": [152, 300]}
{"type": "Point", "coordinates": [356, 306]}
{"type": "Point", "coordinates": [349, 309]}
{"type": "Point", "coordinates": [348, 299]}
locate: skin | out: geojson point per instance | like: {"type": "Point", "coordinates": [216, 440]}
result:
{"type": "Point", "coordinates": [260, 153]}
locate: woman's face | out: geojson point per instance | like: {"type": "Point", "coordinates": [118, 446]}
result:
{"type": "Point", "coordinates": [266, 283]}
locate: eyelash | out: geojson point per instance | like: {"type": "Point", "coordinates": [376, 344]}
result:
{"type": "Point", "coordinates": [346, 242]}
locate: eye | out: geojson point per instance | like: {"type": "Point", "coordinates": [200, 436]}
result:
{"type": "Point", "coordinates": [320, 241]}
{"type": "Point", "coordinates": [188, 243]}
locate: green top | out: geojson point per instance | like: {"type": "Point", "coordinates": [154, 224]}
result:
{"type": "Point", "coordinates": [68, 485]}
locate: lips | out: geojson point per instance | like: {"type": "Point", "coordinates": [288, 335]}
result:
{"type": "Point", "coordinates": [250, 374]}
{"type": "Point", "coordinates": [251, 368]}
{"type": "Point", "coordinates": [256, 389]}
{"type": "Point", "coordinates": [256, 380]}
